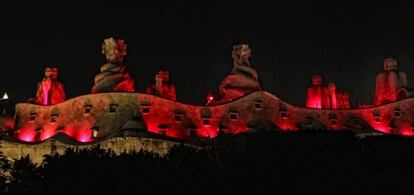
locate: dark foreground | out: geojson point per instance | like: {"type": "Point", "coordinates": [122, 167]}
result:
{"type": "Point", "coordinates": [283, 163]}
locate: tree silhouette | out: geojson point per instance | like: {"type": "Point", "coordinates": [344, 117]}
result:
{"type": "Point", "coordinates": [5, 169]}
{"type": "Point", "coordinates": [25, 177]}
{"type": "Point", "coordinates": [305, 161]}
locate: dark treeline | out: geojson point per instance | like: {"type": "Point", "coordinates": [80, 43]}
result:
{"type": "Point", "coordinates": [302, 162]}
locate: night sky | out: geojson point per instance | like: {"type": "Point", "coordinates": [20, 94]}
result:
{"type": "Point", "coordinates": [290, 41]}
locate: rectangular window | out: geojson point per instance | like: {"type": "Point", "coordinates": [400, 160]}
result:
{"type": "Point", "coordinates": [53, 118]}
{"type": "Point", "coordinates": [113, 108]}
{"type": "Point", "coordinates": [206, 121]}
{"type": "Point", "coordinates": [87, 109]}
{"type": "Point", "coordinates": [145, 109]}
{"type": "Point", "coordinates": [283, 114]}
{"type": "Point", "coordinates": [397, 113]}
{"type": "Point", "coordinates": [32, 117]}
{"type": "Point", "coordinates": [234, 116]}
{"type": "Point", "coordinates": [258, 104]}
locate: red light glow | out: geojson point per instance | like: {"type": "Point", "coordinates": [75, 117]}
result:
{"type": "Point", "coordinates": [381, 127]}
{"type": "Point", "coordinates": [84, 136]}
{"type": "Point", "coordinates": [208, 131]}
{"type": "Point", "coordinates": [26, 135]}
{"type": "Point", "coordinates": [47, 133]}
{"type": "Point", "coordinates": [406, 130]}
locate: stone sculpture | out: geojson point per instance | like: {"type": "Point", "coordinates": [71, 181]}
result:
{"type": "Point", "coordinates": [338, 99]}
{"type": "Point", "coordinates": [319, 96]}
{"type": "Point", "coordinates": [113, 76]}
{"type": "Point", "coordinates": [162, 86]}
{"type": "Point", "coordinates": [50, 90]}
{"type": "Point", "coordinates": [391, 84]}
{"type": "Point", "coordinates": [243, 78]}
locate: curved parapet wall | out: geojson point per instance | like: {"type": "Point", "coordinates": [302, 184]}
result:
{"type": "Point", "coordinates": [93, 117]}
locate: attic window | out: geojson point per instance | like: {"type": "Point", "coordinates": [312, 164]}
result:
{"type": "Point", "coordinates": [283, 111]}
{"type": "Point", "coordinates": [332, 119]}
{"type": "Point", "coordinates": [205, 116]}
{"type": "Point", "coordinates": [206, 121]}
{"type": "Point", "coordinates": [234, 115]}
{"type": "Point", "coordinates": [53, 118]}
{"type": "Point", "coordinates": [333, 122]}
{"type": "Point", "coordinates": [397, 113]}
{"type": "Point", "coordinates": [112, 108]}
{"type": "Point", "coordinates": [377, 116]}
{"type": "Point", "coordinates": [178, 117]}
{"type": "Point", "coordinates": [258, 104]}
{"type": "Point", "coordinates": [32, 117]}
{"type": "Point", "coordinates": [145, 109]}
{"type": "Point", "coordinates": [283, 114]}
{"type": "Point", "coordinates": [87, 109]}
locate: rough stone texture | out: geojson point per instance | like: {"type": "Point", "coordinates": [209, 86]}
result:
{"type": "Point", "coordinates": [78, 118]}
{"type": "Point", "coordinates": [119, 114]}
{"type": "Point", "coordinates": [162, 86]}
{"type": "Point", "coordinates": [15, 150]}
{"type": "Point", "coordinates": [50, 90]}
{"type": "Point", "coordinates": [113, 76]}
{"type": "Point", "coordinates": [243, 78]}
{"type": "Point", "coordinates": [391, 84]}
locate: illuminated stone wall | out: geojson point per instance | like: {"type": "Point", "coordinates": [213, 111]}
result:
{"type": "Point", "coordinates": [93, 117]}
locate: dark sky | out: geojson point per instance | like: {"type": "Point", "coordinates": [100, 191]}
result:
{"type": "Point", "coordinates": [290, 41]}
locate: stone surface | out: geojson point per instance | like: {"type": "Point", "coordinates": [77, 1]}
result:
{"type": "Point", "coordinates": [111, 114]}
{"type": "Point", "coordinates": [113, 76]}
{"type": "Point", "coordinates": [243, 78]}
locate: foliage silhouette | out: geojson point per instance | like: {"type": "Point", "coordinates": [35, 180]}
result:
{"type": "Point", "coordinates": [306, 162]}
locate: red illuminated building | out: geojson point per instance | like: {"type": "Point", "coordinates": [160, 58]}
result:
{"type": "Point", "coordinates": [114, 109]}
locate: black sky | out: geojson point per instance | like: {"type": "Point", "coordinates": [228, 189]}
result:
{"type": "Point", "coordinates": [290, 41]}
